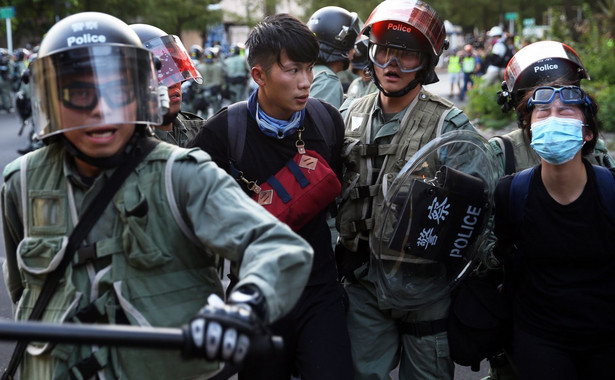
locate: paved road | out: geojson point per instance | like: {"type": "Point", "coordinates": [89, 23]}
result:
{"type": "Point", "coordinates": [10, 142]}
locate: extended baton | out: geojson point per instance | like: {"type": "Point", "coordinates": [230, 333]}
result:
{"type": "Point", "coordinates": [115, 335]}
{"type": "Point", "coordinates": [119, 335]}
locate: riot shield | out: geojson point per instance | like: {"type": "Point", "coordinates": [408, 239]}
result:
{"type": "Point", "coordinates": [435, 216]}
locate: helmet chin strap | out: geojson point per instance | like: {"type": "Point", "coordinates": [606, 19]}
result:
{"type": "Point", "coordinates": [106, 162]}
{"type": "Point", "coordinates": [397, 94]}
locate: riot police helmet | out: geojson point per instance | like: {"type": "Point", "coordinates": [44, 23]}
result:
{"type": "Point", "coordinates": [92, 63]}
{"type": "Point", "coordinates": [411, 26]}
{"type": "Point", "coordinates": [541, 62]}
{"type": "Point", "coordinates": [337, 30]}
{"type": "Point", "coordinates": [196, 52]}
{"type": "Point", "coordinates": [21, 54]}
{"type": "Point", "coordinates": [176, 65]}
{"type": "Point", "coordinates": [360, 57]}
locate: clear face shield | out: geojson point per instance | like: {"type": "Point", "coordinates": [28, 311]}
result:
{"type": "Point", "coordinates": [92, 87]}
{"type": "Point", "coordinates": [408, 61]}
{"type": "Point", "coordinates": [434, 220]}
{"type": "Point", "coordinates": [177, 66]}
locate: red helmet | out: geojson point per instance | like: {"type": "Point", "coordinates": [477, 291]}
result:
{"type": "Point", "coordinates": [409, 25]}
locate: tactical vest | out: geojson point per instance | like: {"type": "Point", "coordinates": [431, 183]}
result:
{"type": "Point", "coordinates": [149, 273]}
{"type": "Point", "coordinates": [236, 66]}
{"type": "Point", "coordinates": [524, 155]}
{"type": "Point", "coordinates": [425, 118]}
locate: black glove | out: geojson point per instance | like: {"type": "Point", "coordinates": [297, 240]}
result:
{"type": "Point", "coordinates": [222, 332]}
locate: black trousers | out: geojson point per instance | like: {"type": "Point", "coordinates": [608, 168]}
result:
{"type": "Point", "coordinates": [316, 343]}
{"type": "Point", "coordinates": [540, 359]}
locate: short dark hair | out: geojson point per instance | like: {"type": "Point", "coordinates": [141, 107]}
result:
{"type": "Point", "coordinates": [590, 114]}
{"type": "Point", "coordinates": [277, 33]}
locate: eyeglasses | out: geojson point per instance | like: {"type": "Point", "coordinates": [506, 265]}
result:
{"type": "Point", "coordinates": [85, 95]}
{"type": "Point", "coordinates": [567, 94]}
{"type": "Point", "coordinates": [408, 61]}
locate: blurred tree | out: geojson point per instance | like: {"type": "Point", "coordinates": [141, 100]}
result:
{"type": "Point", "coordinates": [35, 17]}
{"type": "Point", "coordinates": [606, 16]}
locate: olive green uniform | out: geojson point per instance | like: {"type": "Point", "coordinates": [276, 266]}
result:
{"type": "Point", "coordinates": [378, 331]}
{"type": "Point", "coordinates": [359, 88]}
{"type": "Point", "coordinates": [237, 75]}
{"type": "Point", "coordinates": [213, 83]}
{"type": "Point", "coordinates": [185, 126]}
{"type": "Point", "coordinates": [327, 86]}
{"type": "Point", "coordinates": [148, 260]}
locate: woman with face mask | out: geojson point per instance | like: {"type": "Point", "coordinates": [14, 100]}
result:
{"type": "Point", "coordinates": [556, 235]}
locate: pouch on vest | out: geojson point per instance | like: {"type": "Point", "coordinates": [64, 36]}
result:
{"type": "Point", "coordinates": [304, 187]}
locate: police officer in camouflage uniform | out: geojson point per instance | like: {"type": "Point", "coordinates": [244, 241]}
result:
{"type": "Point", "coordinates": [336, 29]}
{"type": "Point", "coordinates": [213, 81]}
{"type": "Point", "coordinates": [149, 259]}
{"type": "Point", "coordinates": [363, 84]}
{"type": "Point", "coordinates": [237, 74]}
{"type": "Point", "coordinates": [6, 80]}
{"type": "Point", "coordinates": [176, 67]}
{"type": "Point", "coordinates": [383, 130]}
{"type": "Point", "coordinates": [21, 64]}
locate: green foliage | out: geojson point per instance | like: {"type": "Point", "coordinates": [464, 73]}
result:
{"type": "Point", "coordinates": [596, 48]}
{"type": "Point", "coordinates": [605, 97]}
{"type": "Point", "coordinates": [35, 17]}
{"type": "Point", "coordinates": [483, 107]}
{"type": "Point", "coordinates": [593, 40]}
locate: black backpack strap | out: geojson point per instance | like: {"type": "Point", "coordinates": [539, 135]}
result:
{"type": "Point", "coordinates": [85, 224]}
{"type": "Point", "coordinates": [519, 188]}
{"type": "Point", "coordinates": [237, 118]}
{"type": "Point", "coordinates": [606, 187]}
{"type": "Point", "coordinates": [509, 154]}
{"type": "Point", "coordinates": [237, 115]}
{"type": "Point", "coordinates": [322, 119]}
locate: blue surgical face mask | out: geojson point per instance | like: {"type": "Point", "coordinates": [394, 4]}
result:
{"type": "Point", "coordinates": [556, 139]}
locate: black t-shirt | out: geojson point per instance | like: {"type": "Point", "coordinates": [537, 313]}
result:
{"type": "Point", "coordinates": [564, 287]}
{"type": "Point", "coordinates": [264, 156]}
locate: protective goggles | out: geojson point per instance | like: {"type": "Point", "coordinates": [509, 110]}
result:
{"type": "Point", "coordinates": [408, 61]}
{"type": "Point", "coordinates": [567, 94]}
{"type": "Point", "coordinates": [85, 95]}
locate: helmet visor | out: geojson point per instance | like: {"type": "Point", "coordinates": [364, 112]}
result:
{"type": "Point", "coordinates": [176, 63]}
{"type": "Point", "coordinates": [94, 86]}
{"type": "Point", "coordinates": [408, 61]}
